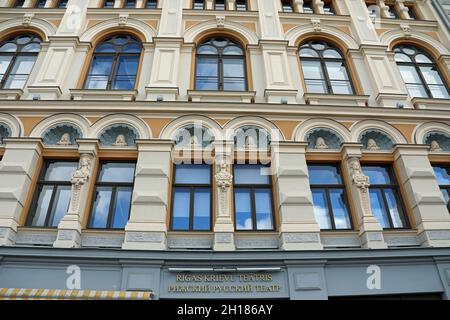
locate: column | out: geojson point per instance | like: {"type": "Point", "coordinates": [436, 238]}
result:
{"type": "Point", "coordinates": [299, 229]}
{"type": "Point", "coordinates": [318, 6]}
{"type": "Point", "coordinates": [147, 227]}
{"type": "Point", "coordinates": [69, 228]}
{"type": "Point", "coordinates": [224, 225]}
{"type": "Point", "coordinates": [423, 195]}
{"type": "Point", "coordinates": [298, 6]}
{"type": "Point", "coordinates": [362, 24]}
{"type": "Point", "coordinates": [17, 169]}
{"type": "Point", "coordinates": [402, 9]}
{"type": "Point", "coordinates": [370, 230]}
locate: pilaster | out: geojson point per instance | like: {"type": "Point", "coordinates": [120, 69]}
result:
{"type": "Point", "coordinates": [370, 230]}
{"type": "Point", "coordinates": [69, 228]}
{"type": "Point", "coordinates": [423, 195]}
{"type": "Point", "coordinates": [299, 229]}
{"type": "Point", "coordinates": [17, 169]}
{"type": "Point", "coordinates": [224, 225]}
{"type": "Point", "coordinates": [147, 226]}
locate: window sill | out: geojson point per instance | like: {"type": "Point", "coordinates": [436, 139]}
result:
{"type": "Point", "coordinates": [108, 95]}
{"type": "Point", "coordinates": [431, 104]}
{"type": "Point", "coordinates": [336, 99]}
{"type": "Point", "coordinates": [10, 94]}
{"type": "Point", "coordinates": [221, 96]}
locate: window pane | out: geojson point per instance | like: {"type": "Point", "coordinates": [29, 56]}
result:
{"type": "Point", "coordinates": [397, 216]}
{"type": "Point", "coordinates": [60, 204]}
{"type": "Point", "coordinates": [312, 70]}
{"type": "Point", "coordinates": [126, 73]}
{"type": "Point", "coordinates": [202, 208]}
{"type": "Point", "coordinates": [19, 72]}
{"type": "Point", "coordinates": [442, 175]}
{"type": "Point", "coordinates": [341, 87]}
{"type": "Point", "coordinates": [206, 74]}
{"type": "Point", "coordinates": [421, 58]}
{"type": "Point", "coordinates": [193, 174]}
{"type": "Point", "coordinates": [340, 210]}
{"type": "Point", "coordinates": [439, 91]}
{"type": "Point", "coordinates": [321, 208]}
{"type": "Point", "coordinates": [42, 206]}
{"type": "Point", "coordinates": [378, 208]}
{"type": "Point", "coordinates": [263, 206]}
{"type": "Point", "coordinates": [243, 211]}
{"type": "Point", "coordinates": [181, 205]}
{"type": "Point", "coordinates": [324, 175]}
{"type": "Point", "coordinates": [4, 63]}
{"type": "Point", "coordinates": [220, 4]}
{"type": "Point", "coordinates": [117, 172]}
{"type": "Point", "coordinates": [251, 174]}
{"type": "Point", "coordinates": [122, 207]}
{"type": "Point", "coordinates": [446, 196]}
{"type": "Point", "coordinates": [60, 171]}
{"type": "Point", "coordinates": [410, 75]}
{"type": "Point", "coordinates": [99, 73]}
{"type": "Point", "coordinates": [336, 71]}
{"type": "Point", "coordinates": [101, 206]}
{"type": "Point", "coordinates": [417, 90]}
{"type": "Point", "coordinates": [377, 175]}
{"type": "Point", "coordinates": [431, 76]}
{"type": "Point", "coordinates": [234, 74]}
{"type": "Point", "coordinates": [316, 86]}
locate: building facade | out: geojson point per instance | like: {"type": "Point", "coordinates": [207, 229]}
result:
{"type": "Point", "coordinates": [225, 149]}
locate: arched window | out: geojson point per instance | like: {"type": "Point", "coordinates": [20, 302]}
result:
{"type": "Point", "coordinates": [115, 64]}
{"type": "Point", "coordinates": [17, 58]}
{"type": "Point", "coordinates": [420, 73]}
{"type": "Point", "coordinates": [220, 66]}
{"type": "Point", "coordinates": [324, 69]}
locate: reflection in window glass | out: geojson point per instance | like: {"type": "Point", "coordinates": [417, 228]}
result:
{"type": "Point", "coordinates": [112, 197]}
{"type": "Point", "coordinates": [252, 198]}
{"type": "Point", "coordinates": [329, 197]}
{"type": "Point", "coordinates": [52, 197]}
{"type": "Point", "coordinates": [191, 203]}
{"type": "Point", "coordinates": [443, 178]}
{"type": "Point", "coordinates": [385, 197]}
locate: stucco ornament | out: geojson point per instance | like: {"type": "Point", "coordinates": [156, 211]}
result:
{"type": "Point", "coordinates": [120, 141]}
{"type": "Point", "coordinates": [220, 21]}
{"type": "Point", "coordinates": [372, 145]}
{"type": "Point", "coordinates": [224, 179]}
{"type": "Point", "coordinates": [194, 141]}
{"type": "Point", "coordinates": [251, 142]}
{"type": "Point", "coordinates": [358, 178]}
{"type": "Point", "coordinates": [65, 140]}
{"type": "Point", "coordinates": [321, 144]}
{"type": "Point", "coordinates": [435, 147]}
{"type": "Point", "coordinates": [79, 178]}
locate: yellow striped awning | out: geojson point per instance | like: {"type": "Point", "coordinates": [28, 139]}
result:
{"type": "Point", "coordinates": [57, 294]}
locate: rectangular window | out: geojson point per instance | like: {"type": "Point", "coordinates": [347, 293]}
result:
{"type": "Point", "coordinates": [151, 4]}
{"type": "Point", "coordinates": [328, 8]}
{"type": "Point", "coordinates": [112, 197]}
{"type": "Point", "coordinates": [219, 5]}
{"type": "Point", "coordinates": [191, 199]}
{"type": "Point", "coordinates": [52, 197]}
{"type": "Point", "coordinates": [329, 197]}
{"type": "Point", "coordinates": [40, 4]}
{"type": "Point", "coordinates": [286, 6]}
{"type": "Point", "coordinates": [241, 5]}
{"type": "Point", "coordinates": [62, 4]}
{"type": "Point", "coordinates": [253, 199]}
{"type": "Point", "coordinates": [108, 4]}
{"type": "Point", "coordinates": [412, 12]}
{"type": "Point", "coordinates": [443, 178]}
{"type": "Point", "coordinates": [385, 198]}
{"type": "Point", "coordinates": [198, 5]}
{"type": "Point", "coordinates": [130, 4]}
{"type": "Point", "coordinates": [19, 3]}
{"type": "Point", "coordinates": [307, 7]}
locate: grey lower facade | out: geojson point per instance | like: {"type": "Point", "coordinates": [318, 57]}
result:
{"type": "Point", "coordinates": [242, 274]}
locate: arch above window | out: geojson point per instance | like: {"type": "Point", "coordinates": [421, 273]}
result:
{"type": "Point", "coordinates": [114, 64]}
{"type": "Point", "coordinates": [248, 137]}
{"type": "Point", "coordinates": [322, 139]}
{"type": "Point", "coordinates": [373, 140]}
{"type": "Point", "coordinates": [193, 136]}
{"type": "Point", "coordinates": [17, 57]}
{"type": "Point", "coordinates": [324, 68]}
{"type": "Point", "coordinates": [64, 134]}
{"type": "Point", "coordinates": [5, 131]}
{"type": "Point", "coordinates": [420, 73]}
{"type": "Point", "coordinates": [119, 135]}
{"type": "Point", "coordinates": [220, 65]}
{"type": "Point", "coordinates": [438, 141]}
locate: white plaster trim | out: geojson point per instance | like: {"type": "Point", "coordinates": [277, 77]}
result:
{"type": "Point", "coordinates": [421, 131]}
{"type": "Point", "coordinates": [143, 130]}
{"type": "Point", "coordinates": [171, 128]}
{"type": "Point", "coordinates": [13, 123]}
{"type": "Point", "coordinates": [303, 128]}
{"type": "Point", "coordinates": [361, 126]}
